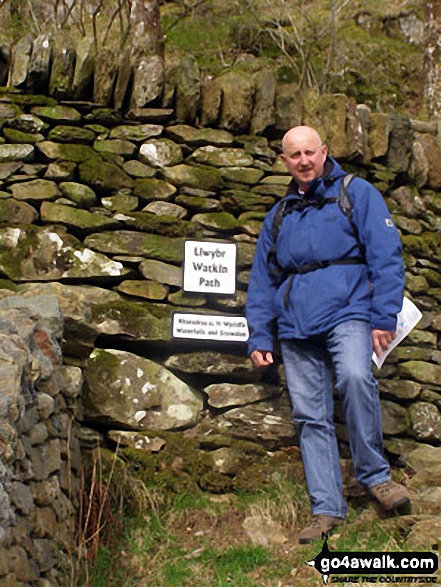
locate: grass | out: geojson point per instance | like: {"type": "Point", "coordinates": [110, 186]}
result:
{"type": "Point", "coordinates": [200, 540]}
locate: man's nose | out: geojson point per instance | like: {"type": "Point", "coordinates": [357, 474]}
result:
{"type": "Point", "coordinates": [303, 159]}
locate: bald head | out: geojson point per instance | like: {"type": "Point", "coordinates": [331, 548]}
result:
{"type": "Point", "coordinates": [301, 134]}
{"type": "Point", "coordinates": [304, 155]}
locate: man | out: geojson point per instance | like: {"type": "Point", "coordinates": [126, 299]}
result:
{"type": "Point", "coordinates": [329, 285]}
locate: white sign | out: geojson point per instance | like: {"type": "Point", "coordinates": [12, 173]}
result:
{"type": "Point", "coordinates": [208, 327]}
{"type": "Point", "coordinates": [209, 267]}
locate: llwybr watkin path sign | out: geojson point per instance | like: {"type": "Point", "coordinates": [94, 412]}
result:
{"type": "Point", "coordinates": [209, 268]}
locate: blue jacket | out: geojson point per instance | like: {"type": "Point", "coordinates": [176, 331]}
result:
{"type": "Point", "coordinates": [320, 300]}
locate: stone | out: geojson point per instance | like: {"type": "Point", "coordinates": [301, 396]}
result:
{"type": "Point", "coordinates": [107, 61]}
{"type": "Point", "coordinates": [199, 137]}
{"type": "Point", "coordinates": [187, 90]}
{"type": "Point", "coordinates": [115, 147]}
{"type": "Point", "coordinates": [264, 531]}
{"type": "Point", "coordinates": [16, 212]}
{"type": "Point", "coordinates": [62, 67]}
{"type": "Point", "coordinates": [80, 194]}
{"type": "Point", "coordinates": [201, 204]}
{"type": "Point", "coordinates": [55, 254]}
{"type": "Point", "coordinates": [379, 131]}
{"type": "Point", "coordinates": [20, 61]}
{"type": "Point", "coordinates": [9, 168]}
{"type": "Point", "coordinates": [67, 152]}
{"type": "Point", "coordinates": [213, 363]}
{"type": "Point", "coordinates": [222, 221]}
{"type": "Point", "coordinates": [424, 534]}
{"type": "Point", "coordinates": [395, 419]}
{"type": "Point", "coordinates": [128, 242]}
{"type": "Point", "coordinates": [193, 177]}
{"type": "Point", "coordinates": [148, 81]}
{"type": "Point", "coordinates": [424, 458]}
{"type": "Point", "coordinates": [154, 189]}
{"type": "Point", "coordinates": [39, 64]}
{"type": "Point", "coordinates": [165, 209]}
{"type": "Point", "coordinates": [138, 440]}
{"type": "Point", "coordinates": [104, 176]}
{"type": "Point", "coordinates": [27, 123]}
{"type": "Point", "coordinates": [161, 272]}
{"type": "Point", "coordinates": [237, 101]}
{"type": "Point", "coordinates": [227, 395]}
{"type": "Point", "coordinates": [136, 132]}
{"type": "Point", "coordinates": [242, 175]}
{"type": "Point", "coordinates": [61, 171]}
{"type": "Point", "coordinates": [73, 217]}
{"type": "Point", "coordinates": [432, 154]}
{"type": "Point", "coordinates": [425, 421]}
{"type": "Point", "coordinates": [264, 116]}
{"type": "Point", "coordinates": [421, 371]}
{"type": "Point", "coordinates": [265, 423]}
{"type": "Point", "coordinates": [84, 65]}
{"type": "Point", "coordinates": [16, 153]}
{"type": "Point", "coordinates": [138, 169]}
{"type": "Point", "coordinates": [288, 107]}
{"type": "Point", "coordinates": [221, 157]}
{"type": "Point", "coordinates": [419, 167]}
{"type": "Point", "coordinates": [150, 290]}
{"type": "Point", "coordinates": [410, 201]}
{"type": "Point", "coordinates": [36, 190]}
{"type": "Point", "coordinates": [143, 395]}
{"type": "Point", "coordinates": [121, 202]}
{"type": "Point", "coordinates": [401, 139]}
{"type": "Point", "coordinates": [57, 114]}
{"type": "Point", "coordinates": [401, 389]}
{"type": "Point", "coordinates": [160, 153]}
{"type": "Point", "coordinates": [13, 135]}
{"type": "Point", "coordinates": [71, 134]}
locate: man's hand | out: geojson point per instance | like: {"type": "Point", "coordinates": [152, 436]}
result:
{"type": "Point", "coordinates": [381, 340]}
{"type": "Point", "coordinates": [262, 358]}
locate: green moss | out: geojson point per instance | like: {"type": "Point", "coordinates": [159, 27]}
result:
{"type": "Point", "coordinates": [163, 225]}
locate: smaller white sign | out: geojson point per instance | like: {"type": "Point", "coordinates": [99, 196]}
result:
{"type": "Point", "coordinates": [209, 267]}
{"type": "Point", "coordinates": [208, 327]}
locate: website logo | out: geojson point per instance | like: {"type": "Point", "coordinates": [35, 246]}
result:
{"type": "Point", "coordinates": [360, 566]}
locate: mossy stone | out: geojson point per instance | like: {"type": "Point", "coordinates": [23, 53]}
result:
{"type": "Point", "coordinates": [129, 242]}
{"type": "Point", "coordinates": [69, 216]}
{"type": "Point", "coordinates": [164, 225]}
{"type": "Point", "coordinates": [149, 189]}
{"type": "Point", "coordinates": [194, 177]}
{"type": "Point", "coordinates": [13, 135]}
{"type": "Point", "coordinates": [217, 221]}
{"type": "Point", "coordinates": [71, 134]}
{"type": "Point", "coordinates": [104, 176]}
{"type": "Point", "coordinates": [150, 290]}
{"type": "Point", "coordinates": [57, 113]}
{"type": "Point", "coordinates": [67, 152]}
{"type": "Point", "coordinates": [80, 194]}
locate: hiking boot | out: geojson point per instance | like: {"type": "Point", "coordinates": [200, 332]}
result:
{"type": "Point", "coordinates": [391, 495]}
{"type": "Point", "coordinates": [316, 526]}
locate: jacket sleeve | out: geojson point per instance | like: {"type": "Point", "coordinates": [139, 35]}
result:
{"type": "Point", "coordinates": [262, 287]}
{"type": "Point", "coordinates": [381, 238]}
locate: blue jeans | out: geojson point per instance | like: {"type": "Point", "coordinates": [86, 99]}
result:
{"type": "Point", "coordinates": [309, 366]}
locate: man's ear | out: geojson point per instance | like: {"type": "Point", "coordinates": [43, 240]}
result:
{"type": "Point", "coordinates": [283, 158]}
{"type": "Point", "coordinates": [325, 150]}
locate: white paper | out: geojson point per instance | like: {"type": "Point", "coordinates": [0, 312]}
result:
{"type": "Point", "coordinates": [407, 319]}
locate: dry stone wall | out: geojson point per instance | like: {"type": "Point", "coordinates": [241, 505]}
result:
{"type": "Point", "coordinates": [40, 459]}
{"type": "Point", "coordinates": [95, 209]}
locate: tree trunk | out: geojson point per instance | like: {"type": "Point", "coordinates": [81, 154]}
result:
{"type": "Point", "coordinates": [432, 58]}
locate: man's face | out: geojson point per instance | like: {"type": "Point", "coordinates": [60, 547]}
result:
{"type": "Point", "coordinates": [304, 156]}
